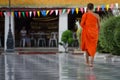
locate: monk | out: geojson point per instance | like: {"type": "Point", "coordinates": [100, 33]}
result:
{"type": "Point", "coordinates": [90, 24]}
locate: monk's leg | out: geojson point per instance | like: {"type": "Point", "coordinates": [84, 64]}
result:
{"type": "Point", "coordinates": [87, 58]}
{"type": "Point", "coordinates": [91, 61]}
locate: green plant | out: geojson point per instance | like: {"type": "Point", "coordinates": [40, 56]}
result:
{"type": "Point", "coordinates": [117, 35]}
{"type": "Point", "coordinates": [109, 39]}
{"type": "Point", "coordinates": [116, 48]}
{"type": "Point", "coordinates": [67, 39]}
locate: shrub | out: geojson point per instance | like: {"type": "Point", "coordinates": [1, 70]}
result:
{"type": "Point", "coordinates": [117, 35]}
{"type": "Point", "coordinates": [109, 39]}
{"type": "Point", "coordinates": [67, 39]}
{"type": "Point", "coordinates": [116, 48]}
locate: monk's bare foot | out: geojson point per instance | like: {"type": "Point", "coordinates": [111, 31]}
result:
{"type": "Point", "coordinates": [87, 63]}
{"type": "Point", "coordinates": [91, 65]}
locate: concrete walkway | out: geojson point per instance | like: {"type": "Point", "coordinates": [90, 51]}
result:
{"type": "Point", "coordinates": [57, 67]}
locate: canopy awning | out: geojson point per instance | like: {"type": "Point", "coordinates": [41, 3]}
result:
{"type": "Point", "coordinates": [54, 3]}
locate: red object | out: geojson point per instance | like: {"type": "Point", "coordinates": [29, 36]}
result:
{"type": "Point", "coordinates": [27, 14]}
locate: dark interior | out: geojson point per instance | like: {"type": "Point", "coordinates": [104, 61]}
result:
{"type": "Point", "coordinates": [47, 24]}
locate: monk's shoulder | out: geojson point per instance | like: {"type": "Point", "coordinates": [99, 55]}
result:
{"type": "Point", "coordinates": [84, 15]}
{"type": "Point", "coordinates": [96, 15]}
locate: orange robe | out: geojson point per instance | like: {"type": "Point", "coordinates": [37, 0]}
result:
{"type": "Point", "coordinates": [89, 34]}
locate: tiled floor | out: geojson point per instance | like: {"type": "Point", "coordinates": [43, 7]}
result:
{"type": "Point", "coordinates": [57, 67]}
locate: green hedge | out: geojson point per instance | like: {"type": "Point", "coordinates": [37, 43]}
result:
{"type": "Point", "coordinates": [109, 39]}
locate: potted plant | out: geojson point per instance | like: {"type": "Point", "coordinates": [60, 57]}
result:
{"type": "Point", "coordinates": [66, 39]}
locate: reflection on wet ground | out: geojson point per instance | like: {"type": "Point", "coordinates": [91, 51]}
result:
{"type": "Point", "coordinates": [75, 69]}
{"type": "Point", "coordinates": [57, 67]}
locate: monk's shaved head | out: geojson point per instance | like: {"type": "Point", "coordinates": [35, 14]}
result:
{"type": "Point", "coordinates": [90, 6]}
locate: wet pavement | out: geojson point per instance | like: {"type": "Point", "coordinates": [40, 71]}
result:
{"type": "Point", "coordinates": [56, 67]}
{"type": "Point", "coordinates": [75, 69]}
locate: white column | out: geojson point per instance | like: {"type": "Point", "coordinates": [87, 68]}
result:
{"type": "Point", "coordinates": [63, 25]}
{"type": "Point", "coordinates": [7, 28]}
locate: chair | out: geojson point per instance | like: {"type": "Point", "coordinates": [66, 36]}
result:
{"type": "Point", "coordinates": [53, 38]}
{"type": "Point", "coordinates": [41, 39]}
